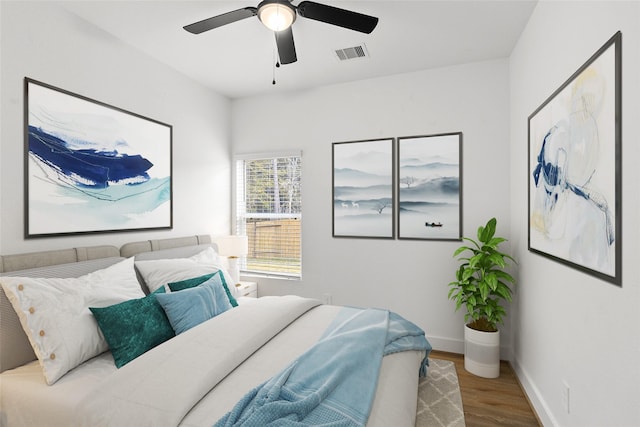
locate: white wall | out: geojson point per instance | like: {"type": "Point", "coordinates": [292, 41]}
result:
{"type": "Point", "coordinates": [569, 326]}
{"type": "Point", "coordinates": [42, 41]}
{"type": "Point", "coordinates": [409, 277]}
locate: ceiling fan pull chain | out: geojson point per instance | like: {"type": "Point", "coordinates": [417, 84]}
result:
{"type": "Point", "coordinates": [276, 65]}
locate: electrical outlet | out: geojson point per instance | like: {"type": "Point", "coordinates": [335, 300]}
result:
{"type": "Point", "coordinates": [566, 396]}
{"type": "Point", "coordinates": [327, 298]}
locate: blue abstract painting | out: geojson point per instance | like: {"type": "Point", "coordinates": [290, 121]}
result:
{"type": "Point", "coordinates": [91, 167]}
{"type": "Point", "coordinates": [574, 173]}
{"type": "Point", "coordinates": [363, 193]}
{"type": "Point", "coordinates": [429, 190]}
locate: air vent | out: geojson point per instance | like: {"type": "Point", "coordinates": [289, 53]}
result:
{"type": "Point", "coordinates": [349, 53]}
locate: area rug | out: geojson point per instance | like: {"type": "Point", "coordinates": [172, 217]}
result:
{"type": "Point", "coordinates": [439, 399]}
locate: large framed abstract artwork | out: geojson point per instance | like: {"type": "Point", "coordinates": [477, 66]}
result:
{"type": "Point", "coordinates": [91, 167]}
{"type": "Point", "coordinates": [363, 190]}
{"type": "Point", "coordinates": [429, 187]}
{"type": "Point", "coordinates": [575, 199]}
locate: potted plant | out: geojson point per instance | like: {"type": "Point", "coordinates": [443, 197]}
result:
{"type": "Point", "coordinates": [481, 287]}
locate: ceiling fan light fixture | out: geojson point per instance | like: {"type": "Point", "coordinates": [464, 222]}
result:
{"type": "Point", "coordinates": [276, 15]}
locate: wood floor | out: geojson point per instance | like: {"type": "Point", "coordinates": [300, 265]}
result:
{"type": "Point", "coordinates": [491, 402]}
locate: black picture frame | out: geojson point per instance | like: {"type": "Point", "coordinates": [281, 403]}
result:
{"type": "Point", "coordinates": [429, 187]}
{"type": "Point", "coordinates": [363, 190]}
{"type": "Point", "coordinates": [575, 169]}
{"type": "Point", "coordinates": [90, 167]}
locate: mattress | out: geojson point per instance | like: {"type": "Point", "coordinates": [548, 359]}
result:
{"type": "Point", "coordinates": [28, 401]}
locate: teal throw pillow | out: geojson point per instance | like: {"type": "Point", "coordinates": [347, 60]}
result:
{"type": "Point", "coordinates": [190, 307]}
{"type": "Point", "coordinates": [195, 281]}
{"type": "Point", "coordinates": [133, 327]}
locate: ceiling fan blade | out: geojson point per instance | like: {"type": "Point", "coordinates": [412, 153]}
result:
{"type": "Point", "coordinates": [336, 16]}
{"type": "Point", "coordinates": [286, 46]}
{"type": "Point", "coordinates": [220, 20]}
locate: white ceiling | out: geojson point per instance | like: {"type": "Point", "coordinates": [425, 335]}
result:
{"type": "Point", "coordinates": [237, 60]}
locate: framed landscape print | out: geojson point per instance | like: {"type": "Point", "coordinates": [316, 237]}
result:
{"type": "Point", "coordinates": [363, 190]}
{"type": "Point", "coordinates": [429, 187]}
{"type": "Point", "coordinates": [575, 169]}
{"type": "Point", "coordinates": [90, 167]}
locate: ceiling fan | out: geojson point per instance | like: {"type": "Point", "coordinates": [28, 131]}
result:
{"type": "Point", "coordinates": [278, 15]}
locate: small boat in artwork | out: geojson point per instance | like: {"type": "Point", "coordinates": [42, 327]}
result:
{"type": "Point", "coordinates": [433, 224]}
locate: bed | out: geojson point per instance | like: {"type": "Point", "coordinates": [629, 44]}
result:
{"type": "Point", "coordinates": [198, 377]}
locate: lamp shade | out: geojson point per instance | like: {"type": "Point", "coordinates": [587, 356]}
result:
{"type": "Point", "coordinates": [276, 16]}
{"type": "Point", "coordinates": [233, 246]}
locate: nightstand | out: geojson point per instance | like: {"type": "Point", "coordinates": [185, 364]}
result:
{"type": "Point", "coordinates": [247, 289]}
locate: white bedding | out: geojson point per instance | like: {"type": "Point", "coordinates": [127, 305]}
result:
{"type": "Point", "coordinates": [23, 386]}
{"type": "Point", "coordinates": [396, 396]}
{"type": "Point", "coordinates": [395, 401]}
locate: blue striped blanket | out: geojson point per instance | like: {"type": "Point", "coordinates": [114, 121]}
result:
{"type": "Point", "coordinates": [334, 382]}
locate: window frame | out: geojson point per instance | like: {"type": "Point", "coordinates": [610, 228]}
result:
{"type": "Point", "coordinates": [235, 208]}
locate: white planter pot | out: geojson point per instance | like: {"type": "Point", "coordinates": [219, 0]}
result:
{"type": "Point", "coordinates": [482, 352]}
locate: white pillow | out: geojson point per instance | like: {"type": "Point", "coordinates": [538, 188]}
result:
{"type": "Point", "coordinates": [160, 272]}
{"type": "Point", "coordinates": [207, 256]}
{"type": "Point", "coordinates": [55, 315]}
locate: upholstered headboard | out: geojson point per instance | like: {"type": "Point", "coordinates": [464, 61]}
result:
{"type": "Point", "coordinates": [62, 256]}
{"type": "Point", "coordinates": [134, 248]}
{"type": "Point", "coordinates": [15, 349]}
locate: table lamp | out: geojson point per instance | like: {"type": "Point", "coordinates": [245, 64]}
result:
{"type": "Point", "coordinates": [233, 247]}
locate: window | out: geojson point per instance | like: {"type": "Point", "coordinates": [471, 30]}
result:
{"type": "Point", "coordinates": [269, 213]}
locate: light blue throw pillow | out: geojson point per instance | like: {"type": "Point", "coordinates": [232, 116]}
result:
{"type": "Point", "coordinates": [195, 281]}
{"type": "Point", "coordinates": [190, 307]}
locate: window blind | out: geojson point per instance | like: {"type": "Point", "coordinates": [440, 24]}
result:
{"type": "Point", "coordinates": [269, 213]}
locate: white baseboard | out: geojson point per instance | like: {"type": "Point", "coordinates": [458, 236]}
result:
{"type": "Point", "coordinates": [447, 344]}
{"type": "Point", "coordinates": [535, 398]}
{"type": "Point", "coordinates": [457, 346]}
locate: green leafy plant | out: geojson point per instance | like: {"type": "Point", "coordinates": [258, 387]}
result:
{"type": "Point", "coordinates": [481, 283]}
